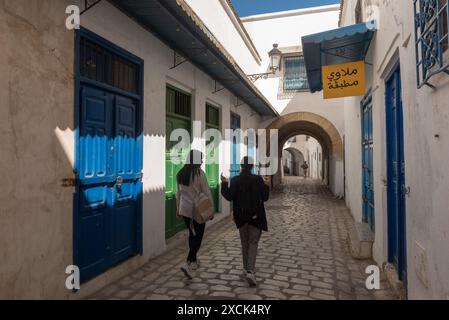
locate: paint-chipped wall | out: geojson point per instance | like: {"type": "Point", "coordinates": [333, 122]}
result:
{"type": "Point", "coordinates": [36, 110]}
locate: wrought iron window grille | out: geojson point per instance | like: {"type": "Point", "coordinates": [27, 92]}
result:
{"type": "Point", "coordinates": [432, 39]}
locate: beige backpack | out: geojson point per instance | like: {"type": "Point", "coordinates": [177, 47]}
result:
{"type": "Point", "coordinates": [203, 208]}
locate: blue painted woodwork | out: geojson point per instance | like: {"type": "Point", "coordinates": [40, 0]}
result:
{"type": "Point", "coordinates": [235, 146]}
{"type": "Point", "coordinates": [342, 45]}
{"type": "Point", "coordinates": [251, 148]}
{"type": "Point", "coordinates": [108, 168]}
{"type": "Point", "coordinates": [367, 161]}
{"type": "Point", "coordinates": [396, 175]}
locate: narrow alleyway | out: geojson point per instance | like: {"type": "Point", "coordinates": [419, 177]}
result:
{"type": "Point", "coordinates": [304, 256]}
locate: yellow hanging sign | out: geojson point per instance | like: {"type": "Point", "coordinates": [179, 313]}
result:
{"type": "Point", "coordinates": [344, 80]}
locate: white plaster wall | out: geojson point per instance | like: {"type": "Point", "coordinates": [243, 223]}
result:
{"type": "Point", "coordinates": [286, 31]}
{"type": "Point", "coordinates": [36, 109]}
{"type": "Point", "coordinates": [37, 121]}
{"type": "Point", "coordinates": [353, 158]}
{"type": "Point", "coordinates": [426, 114]}
{"type": "Point", "coordinates": [220, 20]}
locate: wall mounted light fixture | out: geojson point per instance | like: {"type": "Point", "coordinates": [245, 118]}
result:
{"type": "Point", "coordinates": [275, 61]}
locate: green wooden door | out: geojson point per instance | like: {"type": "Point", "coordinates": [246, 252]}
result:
{"type": "Point", "coordinates": [213, 155]}
{"type": "Point", "coordinates": [178, 117]}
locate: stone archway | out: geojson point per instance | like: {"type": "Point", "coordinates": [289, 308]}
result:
{"type": "Point", "coordinates": [298, 160]}
{"type": "Point", "coordinates": [320, 128]}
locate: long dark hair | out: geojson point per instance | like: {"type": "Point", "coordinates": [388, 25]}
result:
{"type": "Point", "coordinates": [191, 168]}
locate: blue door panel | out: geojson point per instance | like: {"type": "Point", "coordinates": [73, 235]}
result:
{"type": "Point", "coordinates": [124, 242]}
{"type": "Point", "coordinates": [92, 243]}
{"type": "Point", "coordinates": [125, 140]}
{"type": "Point", "coordinates": [235, 146]}
{"type": "Point", "coordinates": [367, 162]}
{"type": "Point", "coordinates": [110, 186]}
{"type": "Point", "coordinates": [396, 175]}
{"type": "Point", "coordinates": [93, 197]}
{"type": "Point", "coordinates": [251, 148]}
{"type": "Point", "coordinates": [95, 136]}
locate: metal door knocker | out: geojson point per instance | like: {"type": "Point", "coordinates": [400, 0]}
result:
{"type": "Point", "coordinates": [119, 181]}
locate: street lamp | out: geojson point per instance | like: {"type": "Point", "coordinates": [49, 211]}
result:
{"type": "Point", "coordinates": [275, 58]}
{"type": "Point", "coordinates": [275, 61]}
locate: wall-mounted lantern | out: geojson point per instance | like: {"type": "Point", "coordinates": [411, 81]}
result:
{"type": "Point", "coordinates": [275, 61]}
{"type": "Point", "coordinates": [275, 58]}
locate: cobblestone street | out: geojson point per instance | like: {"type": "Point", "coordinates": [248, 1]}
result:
{"type": "Point", "coordinates": [303, 256]}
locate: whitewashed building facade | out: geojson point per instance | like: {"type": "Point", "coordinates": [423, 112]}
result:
{"type": "Point", "coordinates": [409, 141]}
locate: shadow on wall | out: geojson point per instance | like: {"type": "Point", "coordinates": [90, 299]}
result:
{"type": "Point", "coordinates": [36, 90]}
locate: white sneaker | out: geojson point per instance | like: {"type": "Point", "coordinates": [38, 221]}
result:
{"type": "Point", "coordinates": [251, 279]}
{"type": "Point", "coordinates": [186, 270]}
{"type": "Point", "coordinates": [195, 265]}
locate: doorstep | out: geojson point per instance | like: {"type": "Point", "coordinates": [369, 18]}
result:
{"type": "Point", "coordinates": [393, 279]}
{"type": "Point", "coordinates": [360, 240]}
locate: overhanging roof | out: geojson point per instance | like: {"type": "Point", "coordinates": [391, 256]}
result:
{"type": "Point", "coordinates": [337, 46]}
{"type": "Point", "coordinates": [175, 23]}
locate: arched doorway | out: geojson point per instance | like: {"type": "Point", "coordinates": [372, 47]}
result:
{"type": "Point", "coordinates": [318, 127]}
{"type": "Point", "coordinates": [305, 150]}
{"type": "Point", "coordinates": [296, 159]}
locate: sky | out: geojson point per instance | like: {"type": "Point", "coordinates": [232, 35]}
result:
{"type": "Point", "coordinates": [252, 7]}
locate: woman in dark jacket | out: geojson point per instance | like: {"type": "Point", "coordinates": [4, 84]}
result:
{"type": "Point", "coordinates": [248, 192]}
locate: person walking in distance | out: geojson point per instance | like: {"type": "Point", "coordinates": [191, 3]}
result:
{"type": "Point", "coordinates": [248, 192]}
{"type": "Point", "coordinates": [191, 179]}
{"type": "Point", "coordinates": [305, 168]}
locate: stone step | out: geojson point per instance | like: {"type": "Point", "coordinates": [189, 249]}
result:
{"type": "Point", "coordinates": [360, 241]}
{"type": "Point", "coordinates": [397, 285]}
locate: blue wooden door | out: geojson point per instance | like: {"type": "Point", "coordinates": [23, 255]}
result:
{"type": "Point", "coordinates": [396, 175]}
{"type": "Point", "coordinates": [109, 181]}
{"type": "Point", "coordinates": [235, 146]}
{"type": "Point", "coordinates": [367, 162]}
{"type": "Point", "coordinates": [108, 208]}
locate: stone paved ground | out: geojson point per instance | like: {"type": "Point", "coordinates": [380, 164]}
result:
{"type": "Point", "coordinates": [303, 256]}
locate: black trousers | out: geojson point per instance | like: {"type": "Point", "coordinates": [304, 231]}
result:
{"type": "Point", "coordinates": [194, 239]}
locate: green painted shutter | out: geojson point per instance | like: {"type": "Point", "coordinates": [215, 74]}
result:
{"type": "Point", "coordinates": [213, 156]}
{"type": "Point", "coordinates": [178, 108]}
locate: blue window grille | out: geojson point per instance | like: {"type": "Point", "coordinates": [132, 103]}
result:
{"type": "Point", "coordinates": [295, 75]}
{"type": "Point", "coordinates": [432, 39]}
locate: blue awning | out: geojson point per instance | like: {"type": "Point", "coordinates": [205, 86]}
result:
{"type": "Point", "coordinates": [337, 46]}
{"type": "Point", "coordinates": [175, 23]}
